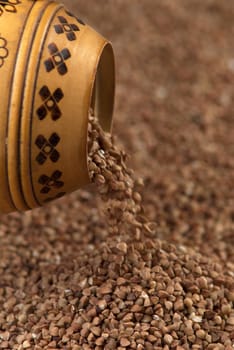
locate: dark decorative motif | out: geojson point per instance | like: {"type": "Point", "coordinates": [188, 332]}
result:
{"type": "Point", "coordinates": [78, 19]}
{"type": "Point", "coordinates": [59, 195]}
{"type": "Point", "coordinates": [8, 6]}
{"type": "Point", "coordinates": [67, 28]}
{"type": "Point", "coordinates": [47, 148]}
{"type": "Point", "coordinates": [50, 103]}
{"type": "Point", "coordinates": [3, 51]}
{"type": "Point", "coordinates": [57, 59]}
{"type": "Point", "coordinates": [54, 181]}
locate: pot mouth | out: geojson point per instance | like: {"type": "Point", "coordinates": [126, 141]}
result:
{"type": "Point", "coordinates": [103, 92]}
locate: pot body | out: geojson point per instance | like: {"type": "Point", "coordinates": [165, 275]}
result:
{"type": "Point", "coordinates": [53, 68]}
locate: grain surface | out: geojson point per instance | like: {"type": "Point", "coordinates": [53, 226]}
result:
{"type": "Point", "coordinates": [67, 280]}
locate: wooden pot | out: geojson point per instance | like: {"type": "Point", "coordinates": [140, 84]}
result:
{"type": "Point", "coordinates": [53, 68]}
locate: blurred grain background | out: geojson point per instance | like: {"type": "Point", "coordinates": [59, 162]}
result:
{"type": "Point", "coordinates": [174, 109]}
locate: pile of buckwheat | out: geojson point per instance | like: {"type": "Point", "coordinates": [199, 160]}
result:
{"type": "Point", "coordinates": [91, 271]}
{"type": "Point", "coordinates": [122, 289]}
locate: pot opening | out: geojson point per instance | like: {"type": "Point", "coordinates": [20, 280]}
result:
{"type": "Point", "coordinates": [102, 101]}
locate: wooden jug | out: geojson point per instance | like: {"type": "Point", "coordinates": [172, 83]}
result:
{"type": "Point", "coordinates": [53, 68]}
